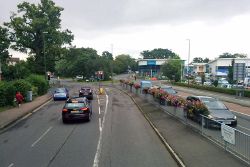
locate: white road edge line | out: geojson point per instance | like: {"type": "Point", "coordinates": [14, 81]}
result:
{"type": "Point", "coordinates": [240, 113]}
{"type": "Point", "coordinates": [11, 165]}
{"type": "Point", "coordinates": [41, 136]}
{"type": "Point", "coordinates": [100, 124]}
{"type": "Point", "coordinates": [243, 127]}
{"type": "Point", "coordinates": [98, 150]}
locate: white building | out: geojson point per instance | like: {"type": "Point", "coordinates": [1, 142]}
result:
{"type": "Point", "coordinates": [219, 67]}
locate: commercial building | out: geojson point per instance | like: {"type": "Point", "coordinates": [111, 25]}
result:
{"type": "Point", "coordinates": [219, 67]}
{"type": "Point", "coordinates": [152, 67]}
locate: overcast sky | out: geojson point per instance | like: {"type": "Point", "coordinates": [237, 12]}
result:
{"type": "Point", "coordinates": [131, 26]}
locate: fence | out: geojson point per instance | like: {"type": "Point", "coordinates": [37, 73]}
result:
{"type": "Point", "coordinates": [232, 140]}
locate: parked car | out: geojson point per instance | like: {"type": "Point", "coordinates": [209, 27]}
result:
{"type": "Point", "coordinates": [77, 109]}
{"type": "Point", "coordinates": [79, 77]}
{"type": "Point", "coordinates": [86, 92]}
{"type": "Point", "coordinates": [217, 112]}
{"type": "Point", "coordinates": [168, 89]}
{"type": "Point", "coordinates": [61, 94]}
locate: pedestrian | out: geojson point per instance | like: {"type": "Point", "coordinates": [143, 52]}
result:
{"type": "Point", "coordinates": [19, 98]}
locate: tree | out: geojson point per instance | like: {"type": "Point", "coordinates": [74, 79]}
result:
{"type": "Point", "coordinates": [200, 60]}
{"type": "Point", "coordinates": [122, 62]}
{"type": "Point", "coordinates": [35, 27]}
{"type": "Point", "coordinates": [172, 69]}
{"type": "Point", "coordinates": [4, 45]}
{"type": "Point", "coordinates": [231, 72]}
{"type": "Point", "coordinates": [159, 54]}
{"type": "Point", "coordinates": [107, 55]}
{"type": "Point", "coordinates": [236, 55]}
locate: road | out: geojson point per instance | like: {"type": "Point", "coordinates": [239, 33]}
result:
{"type": "Point", "coordinates": [117, 135]}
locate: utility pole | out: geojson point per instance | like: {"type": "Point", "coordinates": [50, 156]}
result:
{"type": "Point", "coordinates": [188, 59]}
{"type": "Point", "coordinates": [44, 55]}
{"type": "Point", "coordinates": [112, 65]}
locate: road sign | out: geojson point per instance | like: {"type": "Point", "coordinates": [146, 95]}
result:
{"type": "Point", "coordinates": [228, 133]}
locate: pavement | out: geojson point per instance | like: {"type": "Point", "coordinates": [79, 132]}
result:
{"type": "Point", "coordinates": [10, 116]}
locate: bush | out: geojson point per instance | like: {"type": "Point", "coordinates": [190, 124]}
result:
{"type": "Point", "coordinates": [22, 86]}
{"type": "Point", "coordinates": [39, 82]}
{"type": "Point", "coordinates": [7, 93]}
{"type": "Point", "coordinates": [214, 89]}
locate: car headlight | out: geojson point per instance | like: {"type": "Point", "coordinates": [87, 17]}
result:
{"type": "Point", "coordinates": [210, 116]}
{"type": "Point", "coordinates": [235, 117]}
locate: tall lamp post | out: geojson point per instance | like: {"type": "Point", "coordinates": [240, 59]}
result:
{"type": "Point", "coordinates": [112, 64]}
{"type": "Point", "coordinates": [188, 59]}
{"type": "Point", "coordinates": [44, 55]}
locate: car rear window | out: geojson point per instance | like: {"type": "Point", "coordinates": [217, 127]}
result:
{"type": "Point", "coordinates": [74, 105]}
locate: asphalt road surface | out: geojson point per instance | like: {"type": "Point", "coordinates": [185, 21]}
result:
{"type": "Point", "coordinates": [117, 135]}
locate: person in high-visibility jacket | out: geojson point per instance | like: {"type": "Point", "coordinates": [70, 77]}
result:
{"type": "Point", "coordinates": [101, 91]}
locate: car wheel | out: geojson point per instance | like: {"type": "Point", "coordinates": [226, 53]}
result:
{"type": "Point", "coordinates": [64, 120]}
{"type": "Point", "coordinates": [89, 117]}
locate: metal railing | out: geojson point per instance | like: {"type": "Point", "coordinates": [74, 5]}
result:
{"type": "Point", "coordinates": [240, 147]}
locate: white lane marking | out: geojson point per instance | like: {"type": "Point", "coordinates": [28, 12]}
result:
{"type": "Point", "coordinates": [41, 136]}
{"type": "Point", "coordinates": [98, 150]}
{"type": "Point", "coordinates": [243, 127]}
{"type": "Point", "coordinates": [99, 110]}
{"type": "Point", "coordinates": [98, 101]}
{"type": "Point", "coordinates": [11, 165]}
{"type": "Point", "coordinates": [100, 124]}
{"type": "Point", "coordinates": [59, 118]}
{"type": "Point", "coordinates": [26, 116]}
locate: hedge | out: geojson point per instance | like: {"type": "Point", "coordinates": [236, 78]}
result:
{"type": "Point", "coordinates": [7, 93]}
{"type": "Point", "coordinates": [214, 89]}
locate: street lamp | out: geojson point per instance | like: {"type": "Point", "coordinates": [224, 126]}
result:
{"type": "Point", "coordinates": [44, 56]}
{"type": "Point", "coordinates": [188, 59]}
{"type": "Point", "coordinates": [112, 64]}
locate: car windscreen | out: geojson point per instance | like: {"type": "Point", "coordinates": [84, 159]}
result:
{"type": "Point", "coordinates": [213, 104]}
{"type": "Point", "coordinates": [74, 105]}
{"type": "Point", "coordinates": [169, 90]}
{"type": "Point", "coordinates": [60, 90]}
{"type": "Point", "coordinates": [146, 85]}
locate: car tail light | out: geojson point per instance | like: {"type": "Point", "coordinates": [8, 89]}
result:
{"type": "Point", "coordinates": [64, 110]}
{"type": "Point", "coordinates": [84, 109]}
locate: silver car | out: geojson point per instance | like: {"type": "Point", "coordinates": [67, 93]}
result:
{"type": "Point", "coordinates": [218, 112]}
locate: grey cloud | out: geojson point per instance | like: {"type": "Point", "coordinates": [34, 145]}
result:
{"type": "Point", "coordinates": [108, 14]}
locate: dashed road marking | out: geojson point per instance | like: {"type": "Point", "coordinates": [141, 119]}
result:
{"type": "Point", "coordinates": [11, 165]}
{"type": "Point", "coordinates": [41, 136]}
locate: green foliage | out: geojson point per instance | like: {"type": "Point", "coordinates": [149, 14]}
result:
{"type": "Point", "coordinates": [4, 45]}
{"type": "Point", "coordinates": [22, 86]}
{"type": "Point", "coordinates": [200, 60]}
{"type": "Point", "coordinates": [107, 55]}
{"type": "Point", "coordinates": [27, 32]}
{"type": "Point", "coordinates": [122, 62]}
{"type": "Point", "coordinates": [7, 93]}
{"type": "Point", "coordinates": [19, 71]}
{"type": "Point", "coordinates": [215, 83]}
{"type": "Point", "coordinates": [229, 55]}
{"type": "Point", "coordinates": [172, 69]}
{"type": "Point", "coordinates": [159, 54]}
{"type": "Point", "coordinates": [38, 82]}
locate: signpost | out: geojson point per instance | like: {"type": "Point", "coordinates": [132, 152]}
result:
{"type": "Point", "coordinates": [228, 134]}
